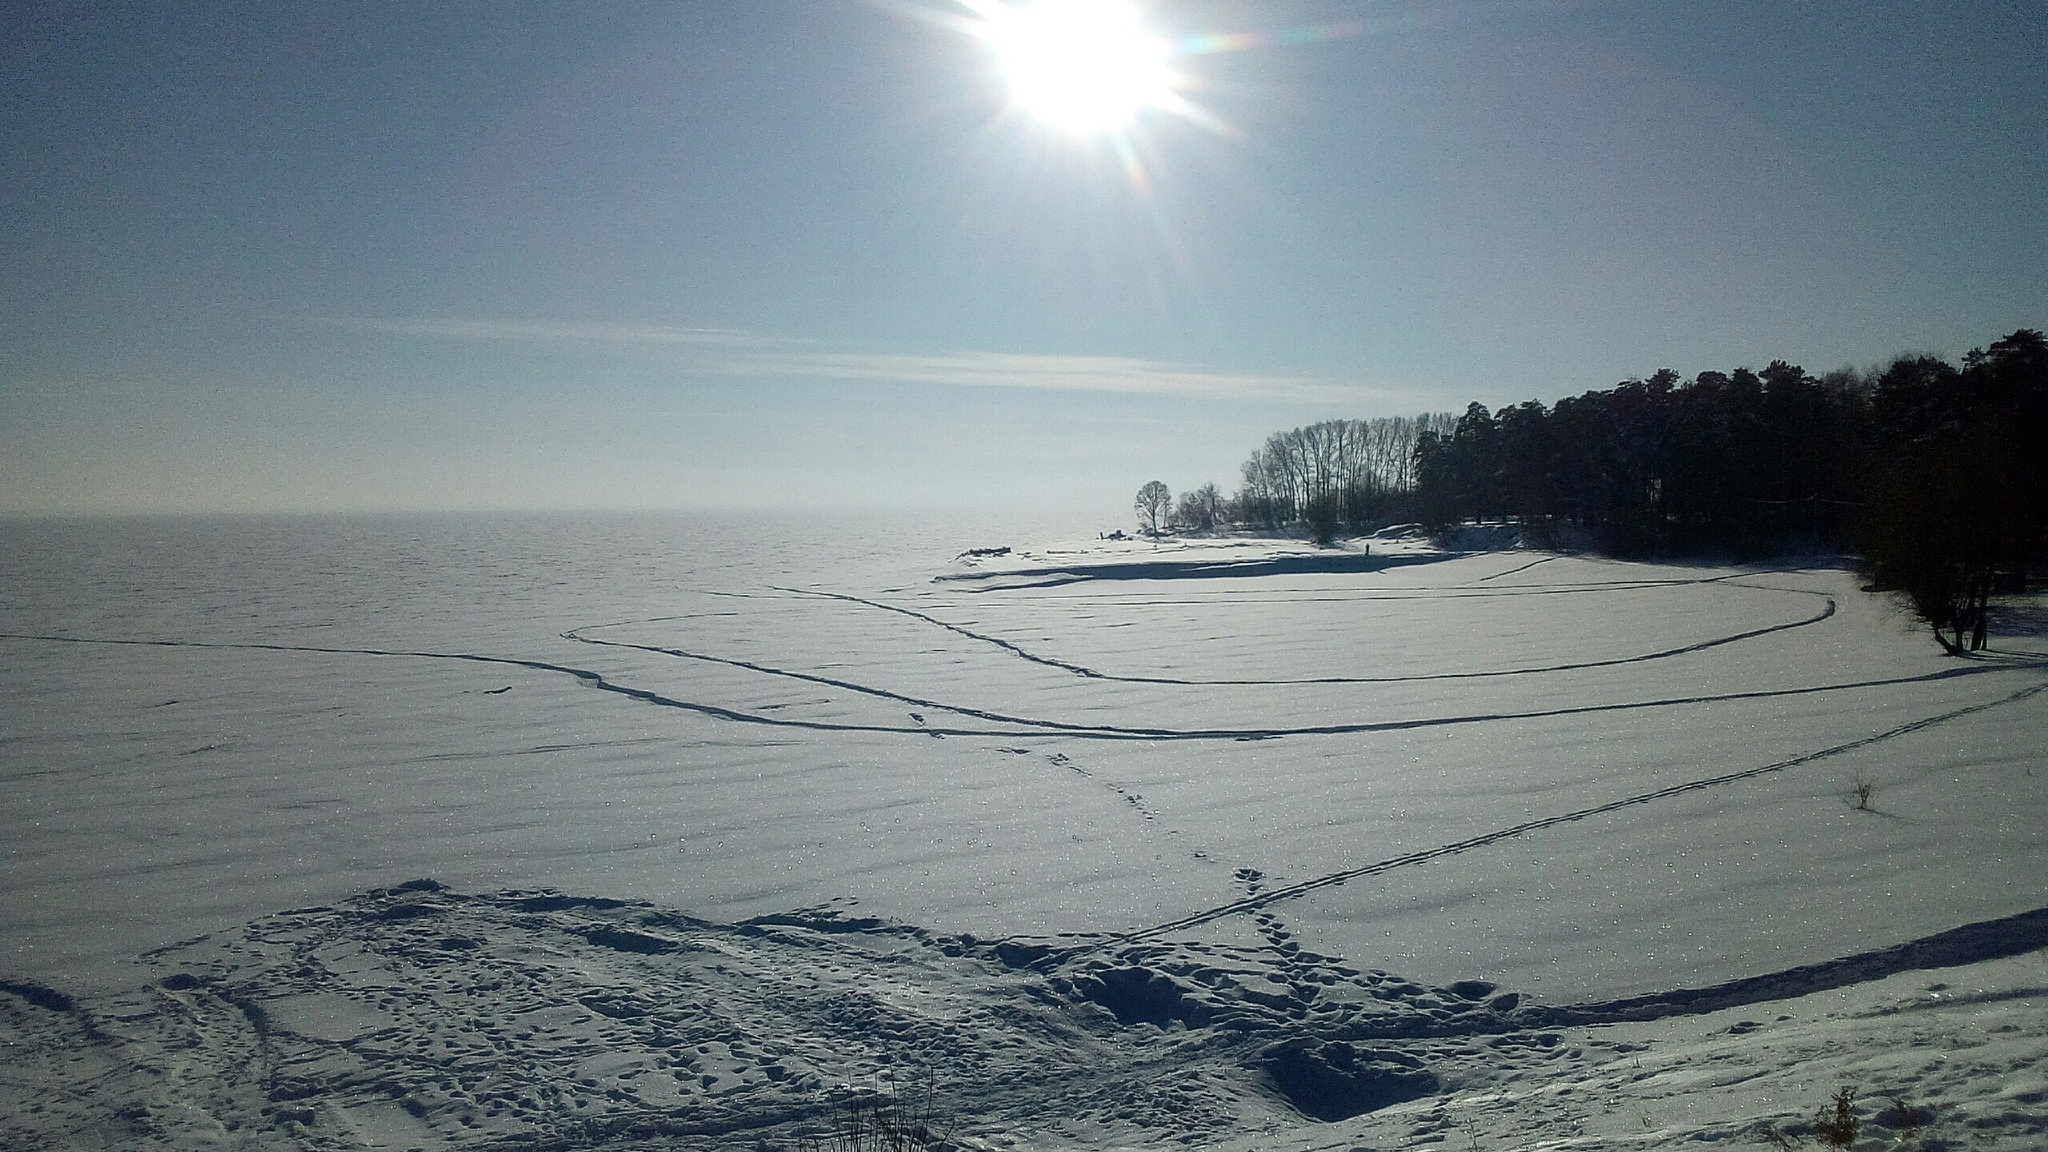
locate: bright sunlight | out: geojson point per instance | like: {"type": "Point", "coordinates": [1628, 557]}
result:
{"type": "Point", "coordinates": [1085, 66]}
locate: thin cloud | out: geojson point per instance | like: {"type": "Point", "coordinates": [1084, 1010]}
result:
{"type": "Point", "coordinates": [1066, 373]}
{"type": "Point", "coordinates": [552, 331]}
{"type": "Point", "coordinates": [736, 352]}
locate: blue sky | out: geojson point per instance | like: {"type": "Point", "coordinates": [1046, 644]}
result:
{"type": "Point", "coordinates": [754, 253]}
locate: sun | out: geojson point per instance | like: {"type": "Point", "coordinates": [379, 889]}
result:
{"type": "Point", "coordinates": [1085, 66]}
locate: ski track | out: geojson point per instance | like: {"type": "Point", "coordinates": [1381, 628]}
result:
{"type": "Point", "coordinates": [1512, 571]}
{"type": "Point", "coordinates": [1257, 898]}
{"type": "Point", "coordinates": [585, 1019]}
{"type": "Point", "coordinates": [1827, 611]}
{"type": "Point", "coordinates": [1260, 899]}
{"type": "Point", "coordinates": [1112, 732]}
{"type": "Point", "coordinates": [1332, 879]}
{"type": "Point", "coordinates": [1463, 591]}
{"type": "Point", "coordinates": [1024, 726]}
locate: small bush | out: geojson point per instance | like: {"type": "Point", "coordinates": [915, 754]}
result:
{"type": "Point", "coordinates": [1904, 1118]}
{"type": "Point", "coordinates": [883, 1122]}
{"type": "Point", "coordinates": [1836, 1125]}
{"type": "Point", "coordinates": [1860, 790]}
{"type": "Point", "coordinates": [1836, 1122]}
{"type": "Point", "coordinates": [1775, 1138]}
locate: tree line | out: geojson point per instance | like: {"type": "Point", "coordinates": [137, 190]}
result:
{"type": "Point", "coordinates": [1935, 473]}
{"type": "Point", "coordinates": [1332, 477]}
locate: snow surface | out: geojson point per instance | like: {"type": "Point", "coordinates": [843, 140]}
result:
{"type": "Point", "coordinates": [1117, 843]}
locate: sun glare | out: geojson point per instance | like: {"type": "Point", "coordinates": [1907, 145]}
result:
{"type": "Point", "coordinates": [1086, 66]}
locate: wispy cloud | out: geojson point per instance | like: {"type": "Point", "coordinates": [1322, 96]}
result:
{"type": "Point", "coordinates": [434, 329]}
{"type": "Point", "coordinates": [736, 352]}
{"type": "Point", "coordinates": [1066, 373]}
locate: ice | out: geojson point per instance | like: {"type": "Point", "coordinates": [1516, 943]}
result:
{"type": "Point", "coordinates": [1208, 829]}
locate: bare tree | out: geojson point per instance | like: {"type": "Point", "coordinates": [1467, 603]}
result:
{"type": "Point", "coordinates": [1337, 472]}
{"type": "Point", "coordinates": [1152, 502]}
{"type": "Point", "coordinates": [1199, 510]}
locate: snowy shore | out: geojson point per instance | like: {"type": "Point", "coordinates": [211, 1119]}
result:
{"type": "Point", "coordinates": [1116, 843]}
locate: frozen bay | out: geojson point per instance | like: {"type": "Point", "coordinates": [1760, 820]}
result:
{"type": "Point", "coordinates": [1573, 778]}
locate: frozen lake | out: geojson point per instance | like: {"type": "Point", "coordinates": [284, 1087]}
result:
{"type": "Point", "coordinates": [1150, 742]}
{"type": "Point", "coordinates": [1577, 779]}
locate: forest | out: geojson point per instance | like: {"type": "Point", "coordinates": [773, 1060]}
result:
{"type": "Point", "coordinates": [1934, 474]}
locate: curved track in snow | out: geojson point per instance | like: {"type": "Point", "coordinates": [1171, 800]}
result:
{"type": "Point", "coordinates": [1019, 651]}
{"type": "Point", "coordinates": [1331, 879]}
{"type": "Point", "coordinates": [1021, 726]}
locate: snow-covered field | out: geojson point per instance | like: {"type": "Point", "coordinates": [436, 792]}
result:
{"type": "Point", "coordinates": [1234, 843]}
